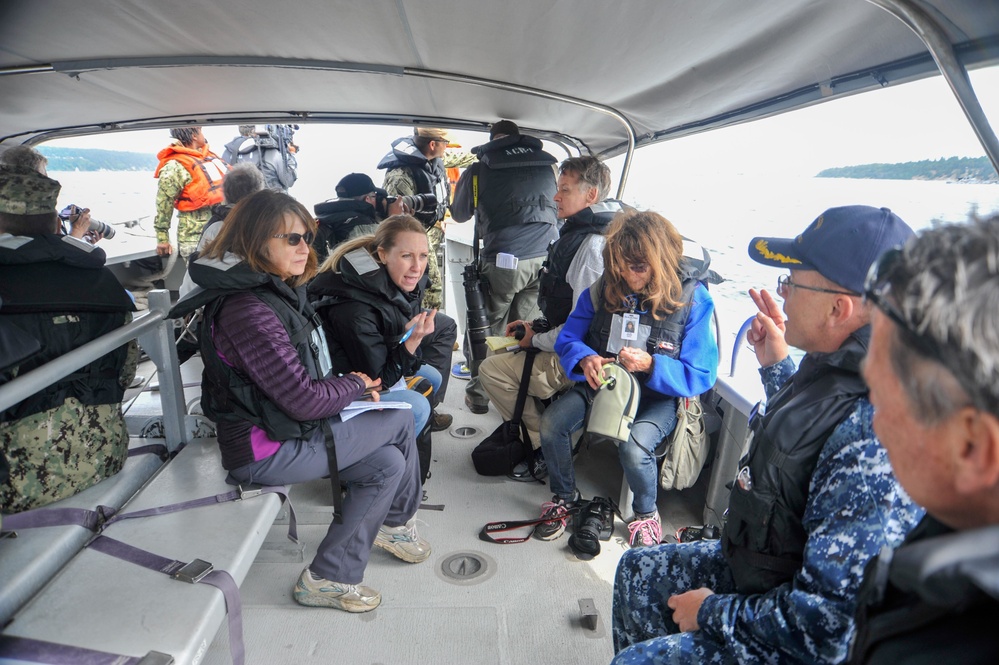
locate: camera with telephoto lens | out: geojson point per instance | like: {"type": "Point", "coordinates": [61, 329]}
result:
{"type": "Point", "coordinates": [475, 307]}
{"type": "Point", "coordinates": [97, 226]}
{"type": "Point", "coordinates": [416, 202]}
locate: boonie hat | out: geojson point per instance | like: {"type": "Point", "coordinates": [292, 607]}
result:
{"type": "Point", "coordinates": [354, 184]}
{"type": "Point", "coordinates": [26, 191]}
{"type": "Point", "coordinates": [841, 244]}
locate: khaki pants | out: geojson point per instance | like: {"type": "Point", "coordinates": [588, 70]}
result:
{"type": "Point", "coordinates": [499, 376]}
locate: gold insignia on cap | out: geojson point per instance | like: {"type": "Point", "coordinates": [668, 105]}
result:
{"type": "Point", "coordinates": [763, 248]}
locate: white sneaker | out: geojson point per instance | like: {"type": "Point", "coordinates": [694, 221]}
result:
{"type": "Point", "coordinates": [318, 592]}
{"type": "Point", "coordinates": [403, 542]}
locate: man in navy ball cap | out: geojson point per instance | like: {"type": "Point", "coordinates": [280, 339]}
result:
{"type": "Point", "coordinates": [814, 498]}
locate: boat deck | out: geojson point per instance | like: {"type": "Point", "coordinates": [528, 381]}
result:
{"type": "Point", "coordinates": [522, 606]}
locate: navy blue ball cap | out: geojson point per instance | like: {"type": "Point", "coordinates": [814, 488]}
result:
{"type": "Point", "coordinates": [354, 184]}
{"type": "Point", "coordinates": [841, 244]}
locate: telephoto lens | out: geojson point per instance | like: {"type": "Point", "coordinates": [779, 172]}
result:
{"type": "Point", "coordinates": [103, 228]}
{"type": "Point", "coordinates": [475, 306]}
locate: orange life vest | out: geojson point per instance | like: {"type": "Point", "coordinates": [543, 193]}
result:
{"type": "Point", "coordinates": [206, 170]}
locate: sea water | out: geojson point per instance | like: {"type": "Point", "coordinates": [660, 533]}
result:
{"type": "Point", "coordinates": [722, 213]}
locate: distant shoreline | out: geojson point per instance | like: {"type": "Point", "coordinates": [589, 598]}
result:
{"type": "Point", "coordinates": [971, 170]}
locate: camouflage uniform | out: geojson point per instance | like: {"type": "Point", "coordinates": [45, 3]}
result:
{"type": "Point", "coordinates": [855, 507]}
{"type": "Point", "coordinates": [172, 181]}
{"type": "Point", "coordinates": [64, 450]}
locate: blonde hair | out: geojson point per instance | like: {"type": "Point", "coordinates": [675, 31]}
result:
{"type": "Point", "coordinates": [248, 228]}
{"type": "Point", "coordinates": [636, 236]}
{"type": "Point", "coordinates": [384, 237]}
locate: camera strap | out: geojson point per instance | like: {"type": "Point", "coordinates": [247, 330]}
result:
{"type": "Point", "coordinates": [489, 529]}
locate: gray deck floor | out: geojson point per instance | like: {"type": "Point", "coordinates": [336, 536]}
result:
{"type": "Point", "coordinates": [523, 609]}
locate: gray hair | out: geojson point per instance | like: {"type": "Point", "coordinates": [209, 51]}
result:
{"type": "Point", "coordinates": [242, 180]}
{"type": "Point", "coordinates": [947, 288]}
{"type": "Point", "coordinates": [24, 157]}
{"type": "Point", "coordinates": [591, 172]}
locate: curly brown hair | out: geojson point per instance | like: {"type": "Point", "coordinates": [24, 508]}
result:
{"type": "Point", "coordinates": [636, 236]}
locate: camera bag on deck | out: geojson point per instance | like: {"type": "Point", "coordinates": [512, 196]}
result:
{"type": "Point", "coordinates": [614, 407]}
{"type": "Point", "coordinates": [508, 445]}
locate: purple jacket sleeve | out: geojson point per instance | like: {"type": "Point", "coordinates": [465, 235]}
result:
{"type": "Point", "coordinates": [253, 340]}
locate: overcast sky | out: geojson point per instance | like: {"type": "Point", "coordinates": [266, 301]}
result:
{"type": "Point", "coordinates": [911, 122]}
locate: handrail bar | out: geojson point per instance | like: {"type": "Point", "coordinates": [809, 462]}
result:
{"type": "Point", "coordinates": [155, 334]}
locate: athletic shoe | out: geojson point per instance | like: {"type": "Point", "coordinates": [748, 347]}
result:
{"type": "Point", "coordinates": [461, 371]}
{"type": "Point", "coordinates": [317, 592]}
{"type": "Point", "coordinates": [440, 421]}
{"type": "Point", "coordinates": [476, 408]}
{"type": "Point", "coordinates": [645, 531]}
{"type": "Point", "coordinates": [532, 468]}
{"type": "Point", "coordinates": [403, 542]}
{"type": "Point", "coordinates": [558, 510]}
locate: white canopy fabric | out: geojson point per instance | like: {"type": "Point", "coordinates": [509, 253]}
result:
{"type": "Point", "coordinates": [668, 67]}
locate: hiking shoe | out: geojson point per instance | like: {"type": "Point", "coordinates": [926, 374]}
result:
{"type": "Point", "coordinates": [558, 510]}
{"type": "Point", "coordinates": [476, 408]}
{"type": "Point", "coordinates": [317, 592]}
{"type": "Point", "coordinates": [531, 468]}
{"type": "Point", "coordinates": [645, 531]}
{"type": "Point", "coordinates": [440, 421]}
{"type": "Point", "coordinates": [403, 542]}
{"type": "Point", "coordinates": [461, 371]}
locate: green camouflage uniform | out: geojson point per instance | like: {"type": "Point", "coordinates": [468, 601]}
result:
{"type": "Point", "coordinates": [173, 179]}
{"type": "Point", "coordinates": [56, 453]}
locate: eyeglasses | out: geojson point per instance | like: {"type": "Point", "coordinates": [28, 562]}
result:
{"type": "Point", "coordinates": [877, 287]}
{"type": "Point", "coordinates": [784, 284]}
{"type": "Point", "coordinates": [638, 268]}
{"type": "Point", "coordinates": [295, 238]}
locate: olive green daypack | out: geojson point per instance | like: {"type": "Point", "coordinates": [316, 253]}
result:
{"type": "Point", "coordinates": [615, 404]}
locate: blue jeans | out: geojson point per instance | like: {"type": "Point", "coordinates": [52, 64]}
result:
{"type": "Point", "coordinates": [421, 405]}
{"type": "Point", "coordinates": [653, 423]}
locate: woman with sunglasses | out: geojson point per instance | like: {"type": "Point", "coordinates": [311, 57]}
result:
{"type": "Point", "coordinates": [269, 389]}
{"type": "Point", "coordinates": [368, 294]}
{"type": "Point", "coordinates": [649, 313]}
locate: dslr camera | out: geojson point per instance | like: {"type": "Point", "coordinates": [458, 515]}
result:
{"type": "Point", "coordinates": [416, 202]}
{"type": "Point", "coordinates": [97, 226]}
{"type": "Point", "coordinates": [538, 325]}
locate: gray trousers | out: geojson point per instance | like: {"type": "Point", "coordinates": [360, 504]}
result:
{"type": "Point", "coordinates": [376, 453]}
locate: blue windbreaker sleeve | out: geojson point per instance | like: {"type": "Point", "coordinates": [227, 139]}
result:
{"type": "Point", "coordinates": [855, 507]}
{"type": "Point", "coordinates": [695, 371]}
{"type": "Point", "coordinates": [570, 346]}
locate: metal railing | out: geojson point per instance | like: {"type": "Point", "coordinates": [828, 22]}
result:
{"type": "Point", "coordinates": [155, 333]}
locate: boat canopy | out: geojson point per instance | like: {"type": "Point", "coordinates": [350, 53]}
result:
{"type": "Point", "coordinates": [597, 76]}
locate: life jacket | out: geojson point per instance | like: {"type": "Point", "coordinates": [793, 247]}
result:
{"type": "Point", "coordinates": [555, 296]}
{"type": "Point", "coordinates": [206, 170]}
{"type": "Point", "coordinates": [429, 176]}
{"type": "Point", "coordinates": [515, 186]}
{"type": "Point", "coordinates": [933, 600]}
{"type": "Point", "coordinates": [62, 296]}
{"type": "Point", "coordinates": [764, 539]}
{"type": "Point", "coordinates": [229, 398]}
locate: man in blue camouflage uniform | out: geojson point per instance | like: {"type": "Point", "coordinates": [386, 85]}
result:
{"type": "Point", "coordinates": [815, 498]}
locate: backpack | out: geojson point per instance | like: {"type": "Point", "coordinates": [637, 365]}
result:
{"type": "Point", "coordinates": [614, 407]}
{"type": "Point", "coordinates": [687, 449]}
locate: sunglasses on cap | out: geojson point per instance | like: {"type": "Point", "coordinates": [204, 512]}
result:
{"type": "Point", "coordinates": [295, 238]}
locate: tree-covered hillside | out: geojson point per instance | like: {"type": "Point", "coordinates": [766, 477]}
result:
{"type": "Point", "coordinates": [972, 169]}
{"type": "Point", "coordinates": [73, 159]}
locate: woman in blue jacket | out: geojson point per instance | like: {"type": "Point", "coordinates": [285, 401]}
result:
{"type": "Point", "coordinates": [650, 314]}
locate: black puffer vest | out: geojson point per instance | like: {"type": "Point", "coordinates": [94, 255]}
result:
{"type": "Point", "coordinates": [555, 293]}
{"type": "Point", "coordinates": [63, 296]}
{"type": "Point", "coordinates": [764, 538]}
{"type": "Point", "coordinates": [429, 175]}
{"type": "Point", "coordinates": [227, 397]}
{"type": "Point", "coordinates": [516, 185]}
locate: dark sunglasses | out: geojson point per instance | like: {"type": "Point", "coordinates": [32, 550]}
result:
{"type": "Point", "coordinates": [784, 284]}
{"type": "Point", "coordinates": [295, 238]}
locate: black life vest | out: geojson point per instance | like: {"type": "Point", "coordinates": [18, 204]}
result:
{"type": "Point", "coordinates": [516, 184]}
{"type": "Point", "coordinates": [554, 292]}
{"type": "Point", "coordinates": [229, 398]}
{"type": "Point", "coordinates": [764, 539]}
{"type": "Point", "coordinates": [429, 176]}
{"type": "Point", "coordinates": [63, 297]}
